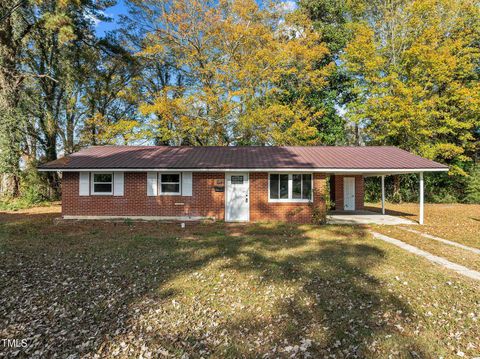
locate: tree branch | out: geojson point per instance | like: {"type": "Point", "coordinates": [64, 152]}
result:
{"type": "Point", "coordinates": [11, 10]}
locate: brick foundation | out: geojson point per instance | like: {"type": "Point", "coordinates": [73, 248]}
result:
{"type": "Point", "coordinates": [204, 202]}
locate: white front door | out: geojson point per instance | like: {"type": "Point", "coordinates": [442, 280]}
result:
{"type": "Point", "coordinates": [349, 193]}
{"type": "Point", "coordinates": [237, 203]}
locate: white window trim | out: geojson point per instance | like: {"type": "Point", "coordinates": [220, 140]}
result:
{"type": "Point", "coordinates": [92, 182]}
{"type": "Point", "coordinates": [159, 181]}
{"type": "Point", "coordinates": [290, 186]}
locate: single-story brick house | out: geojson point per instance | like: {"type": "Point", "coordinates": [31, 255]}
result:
{"type": "Point", "coordinates": [225, 183]}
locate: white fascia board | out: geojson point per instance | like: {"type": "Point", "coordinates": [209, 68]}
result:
{"type": "Point", "coordinates": [371, 171]}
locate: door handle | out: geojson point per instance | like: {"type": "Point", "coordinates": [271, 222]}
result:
{"type": "Point", "coordinates": [246, 198]}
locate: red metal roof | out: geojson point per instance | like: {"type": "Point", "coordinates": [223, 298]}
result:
{"type": "Point", "coordinates": [252, 157]}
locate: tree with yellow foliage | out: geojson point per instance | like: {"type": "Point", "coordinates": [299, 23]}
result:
{"type": "Point", "coordinates": [234, 63]}
{"type": "Point", "coordinates": [416, 70]}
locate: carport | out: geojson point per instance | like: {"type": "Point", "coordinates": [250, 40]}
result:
{"type": "Point", "coordinates": [347, 192]}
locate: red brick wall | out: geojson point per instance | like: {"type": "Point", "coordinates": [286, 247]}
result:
{"type": "Point", "coordinates": [135, 202]}
{"type": "Point", "coordinates": [262, 210]}
{"type": "Point", "coordinates": [359, 191]}
{"type": "Point", "coordinates": [204, 201]}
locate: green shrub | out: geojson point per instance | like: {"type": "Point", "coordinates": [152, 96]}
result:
{"type": "Point", "coordinates": [443, 196]}
{"type": "Point", "coordinates": [34, 191]}
{"type": "Point", "coordinates": [472, 190]}
{"type": "Point", "coordinates": [439, 188]}
{"type": "Point", "coordinates": [33, 187]}
{"type": "Point", "coordinates": [15, 204]}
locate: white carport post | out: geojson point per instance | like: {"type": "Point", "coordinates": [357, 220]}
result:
{"type": "Point", "coordinates": [421, 199]}
{"type": "Point", "coordinates": [383, 194]}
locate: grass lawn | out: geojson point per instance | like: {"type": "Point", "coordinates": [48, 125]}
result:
{"type": "Point", "coordinates": [20, 204]}
{"type": "Point", "coordinates": [261, 290]}
{"type": "Point", "coordinates": [452, 253]}
{"type": "Point", "coordinates": [455, 222]}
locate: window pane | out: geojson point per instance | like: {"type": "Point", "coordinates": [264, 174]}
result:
{"type": "Point", "coordinates": [296, 186]}
{"type": "Point", "coordinates": [283, 186]}
{"type": "Point", "coordinates": [102, 177]}
{"type": "Point", "coordinates": [274, 186]}
{"type": "Point", "coordinates": [102, 187]}
{"type": "Point", "coordinates": [171, 177]}
{"type": "Point", "coordinates": [307, 187]}
{"type": "Point", "coordinates": [237, 179]}
{"type": "Point", "coordinates": [170, 188]}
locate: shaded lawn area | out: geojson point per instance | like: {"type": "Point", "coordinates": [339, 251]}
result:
{"type": "Point", "coordinates": [455, 222]}
{"type": "Point", "coordinates": [129, 289]}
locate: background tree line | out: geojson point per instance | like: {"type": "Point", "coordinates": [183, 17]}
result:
{"type": "Point", "coordinates": [240, 72]}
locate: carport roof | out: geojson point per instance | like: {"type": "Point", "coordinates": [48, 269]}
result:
{"type": "Point", "coordinates": [316, 158]}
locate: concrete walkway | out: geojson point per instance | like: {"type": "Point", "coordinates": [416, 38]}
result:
{"type": "Point", "coordinates": [446, 241]}
{"type": "Point", "coordinates": [365, 217]}
{"type": "Point", "coordinates": [467, 272]}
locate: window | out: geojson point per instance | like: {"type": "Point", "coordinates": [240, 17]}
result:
{"type": "Point", "coordinates": [292, 187]}
{"type": "Point", "coordinates": [278, 186]}
{"type": "Point", "coordinates": [102, 183]}
{"type": "Point", "coordinates": [296, 186]}
{"type": "Point", "coordinates": [237, 179]}
{"type": "Point", "coordinates": [301, 186]}
{"type": "Point", "coordinates": [169, 183]}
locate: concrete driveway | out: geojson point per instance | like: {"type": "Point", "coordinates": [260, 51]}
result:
{"type": "Point", "coordinates": [364, 217]}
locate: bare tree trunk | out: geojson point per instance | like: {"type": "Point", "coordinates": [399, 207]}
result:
{"type": "Point", "coordinates": [11, 78]}
{"type": "Point", "coordinates": [69, 145]}
{"type": "Point", "coordinates": [51, 155]}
